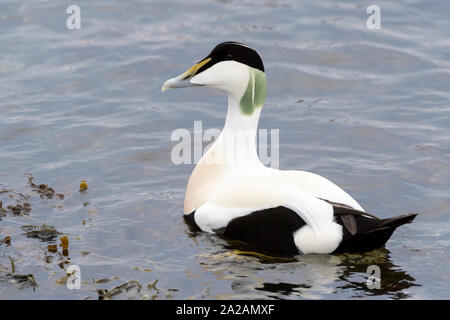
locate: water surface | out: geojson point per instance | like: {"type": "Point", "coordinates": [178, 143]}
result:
{"type": "Point", "coordinates": [368, 109]}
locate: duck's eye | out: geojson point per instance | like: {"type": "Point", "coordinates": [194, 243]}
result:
{"type": "Point", "coordinates": [229, 56]}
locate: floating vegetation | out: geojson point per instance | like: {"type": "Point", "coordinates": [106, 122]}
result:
{"type": "Point", "coordinates": [21, 207]}
{"type": "Point", "coordinates": [43, 233]}
{"type": "Point", "coordinates": [102, 280]}
{"type": "Point", "coordinates": [62, 280]}
{"type": "Point", "coordinates": [19, 204]}
{"type": "Point", "coordinates": [132, 288]}
{"type": "Point", "coordinates": [22, 279]}
{"type": "Point", "coordinates": [83, 185]}
{"type": "Point", "coordinates": [13, 266]}
{"type": "Point", "coordinates": [236, 249]}
{"type": "Point", "coordinates": [44, 190]}
{"type": "Point", "coordinates": [142, 269]}
{"type": "Point", "coordinates": [63, 255]}
{"type": "Point", "coordinates": [65, 245]}
{"type": "Point", "coordinates": [153, 285]}
{"type": "Point", "coordinates": [264, 257]}
{"type": "Point", "coordinates": [377, 256]}
{"type": "Point", "coordinates": [2, 210]}
{"type": "Point", "coordinates": [6, 240]}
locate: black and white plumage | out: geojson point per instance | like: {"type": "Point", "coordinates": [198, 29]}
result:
{"type": "Point", "coordinates": [231, 193]}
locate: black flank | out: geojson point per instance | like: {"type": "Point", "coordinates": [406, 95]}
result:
{"type": "Point", "coordinates": [270, 229]}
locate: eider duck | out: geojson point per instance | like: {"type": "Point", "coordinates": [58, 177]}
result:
{"type": "Point", "coordinates": [231, 193]}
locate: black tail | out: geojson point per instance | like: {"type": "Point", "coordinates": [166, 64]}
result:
{"type": "Point", "coordinates": [397, 221]}
{"type": "Point", "coordinates": [363, 231]}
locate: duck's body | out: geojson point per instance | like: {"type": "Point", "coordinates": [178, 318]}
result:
{"type": "Point", "coordinates": [231, 193]}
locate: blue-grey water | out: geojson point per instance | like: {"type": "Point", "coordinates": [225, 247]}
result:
{"type": "Point", "coordinates": [368, 109]}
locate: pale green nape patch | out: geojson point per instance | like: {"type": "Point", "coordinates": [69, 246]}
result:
{"type": "Point", "coordinates": [255, 94]}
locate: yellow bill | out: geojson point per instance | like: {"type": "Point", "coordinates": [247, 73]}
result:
{"type": "Point", "coordinates": [183, 80]}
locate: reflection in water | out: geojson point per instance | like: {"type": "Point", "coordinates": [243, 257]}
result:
{"type": "Point", "coordinates": [257, 274]}
{"type": "Point", "coordinates": [394, 281]}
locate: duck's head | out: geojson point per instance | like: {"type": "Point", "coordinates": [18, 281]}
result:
{"type": "Point", "coordinates": [233, 67]}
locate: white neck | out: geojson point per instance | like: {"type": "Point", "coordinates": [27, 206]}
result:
{"type": "Point", "coordinates": [236, 144]}
{"type": "Point", "coordinates": [234, 150]}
